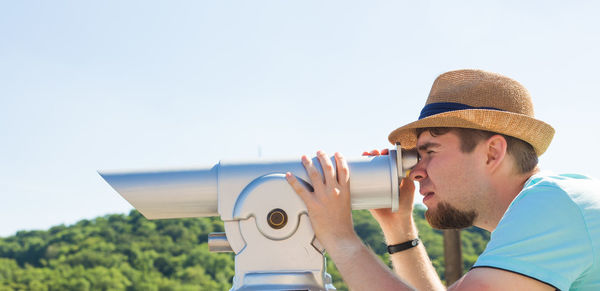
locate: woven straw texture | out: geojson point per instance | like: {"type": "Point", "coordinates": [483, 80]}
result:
{"type": "Point", "coordinates": [478, 88]}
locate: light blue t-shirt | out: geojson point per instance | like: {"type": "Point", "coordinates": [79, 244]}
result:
{"type": "Point", "coordinates": [550, 232]}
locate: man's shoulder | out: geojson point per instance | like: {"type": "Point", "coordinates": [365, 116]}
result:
{"type": "Point", "coordinates": [559, 191]}
{"type": "Point", "coordinates": [565, 181]}
{"type": "Point", "coordinates": [551, 230]}
{"type": "Point", "coordinates": [553, 200]}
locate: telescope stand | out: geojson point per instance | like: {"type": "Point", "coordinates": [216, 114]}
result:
{"type": "Point", "coordinates": [274, 244]}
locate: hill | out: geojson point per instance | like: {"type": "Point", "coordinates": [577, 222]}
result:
{"type": "Point", "coordinates": [129, 252]}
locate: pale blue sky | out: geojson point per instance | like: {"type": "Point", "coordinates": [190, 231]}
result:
{"type": "Point", "coordinates": [89, 85]}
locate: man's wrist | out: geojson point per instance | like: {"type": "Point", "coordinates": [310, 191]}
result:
{"type": "Point", "coordinates": [399, 234]}
{"type": "Point", "coordinates": [344, 247]}
{"type": "Point", "coordinates": [396, 248]}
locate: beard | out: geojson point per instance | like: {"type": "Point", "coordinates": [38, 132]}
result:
{"type": "Point", "coordinates": [447, 216]}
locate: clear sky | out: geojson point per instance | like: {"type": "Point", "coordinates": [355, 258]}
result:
{"type": "Point", "coordinates": [90, 85]}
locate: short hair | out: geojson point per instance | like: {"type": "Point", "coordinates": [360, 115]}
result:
{"type": "Point", "coordinates": [523, 153]}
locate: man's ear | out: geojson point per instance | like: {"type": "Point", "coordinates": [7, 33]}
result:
{"type": "Point", "coordinates": [496, 147]}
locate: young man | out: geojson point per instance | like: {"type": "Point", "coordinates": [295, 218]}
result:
{"type": "Point", "coordinates": [478, 143]}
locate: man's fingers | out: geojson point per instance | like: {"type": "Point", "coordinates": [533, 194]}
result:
{"type": "Point", "coordinates": [298, 187]}
{"type": "Point", "coordinates": [407, 191]}
{"type": "Point", "coordinates": [343, 172]}
{"type": "Point", "coordinates": [407, 185]}
{"type": "Point", "coordinates": [371, 153]}
{"type": "Point", "coordinates": [377, 152]}
{"type": "Point", "coordinates": [315, 176]}
{"type": "Point", "coordinates": [327, 166]}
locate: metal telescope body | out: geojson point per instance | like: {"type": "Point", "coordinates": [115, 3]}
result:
{"type": "Point", "coordinates": [266, 223]}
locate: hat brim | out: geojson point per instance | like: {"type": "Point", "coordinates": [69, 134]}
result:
{"type": "Point", "coordinates": [536, 132]}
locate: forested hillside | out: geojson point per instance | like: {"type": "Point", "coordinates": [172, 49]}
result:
{"type": "Point", "coordinates": [129, 252]}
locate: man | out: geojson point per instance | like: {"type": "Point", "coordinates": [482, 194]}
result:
{"type": "Point", "coordinates": [478, 143]}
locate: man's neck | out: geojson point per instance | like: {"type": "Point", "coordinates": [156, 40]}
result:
{"type": "Point", "coordinates": [504, 191]}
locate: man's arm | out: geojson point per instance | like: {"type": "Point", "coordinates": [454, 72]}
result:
{"type": "Point", "coordinates": [412, 265]}
{"type": "Point", "coordinates": [496, 279]}
{"type": "Point", "coordinates": [361, 269]}
{"type": "Point", "coordinates": [330, 213]}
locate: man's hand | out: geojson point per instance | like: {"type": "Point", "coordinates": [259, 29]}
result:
{"type": "Point", "coordinates": [329, 205]}
{"type": "Point", "coordinates": [397, 226]}
{"type": "Point", "coordinates": [330, 213]}
{"type": "Point", "coordinates": [400, 220]}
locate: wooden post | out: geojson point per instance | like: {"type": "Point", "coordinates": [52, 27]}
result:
{"type": "Point", "coordinates": [452, 255]}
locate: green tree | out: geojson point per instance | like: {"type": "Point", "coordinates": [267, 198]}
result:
{"type": "Point", "coordinates": [129, 252]}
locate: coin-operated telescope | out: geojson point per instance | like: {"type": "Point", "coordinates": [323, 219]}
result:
{"type": "Point", "coordinates": [266, 223]}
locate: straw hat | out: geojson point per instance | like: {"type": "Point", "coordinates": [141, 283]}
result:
{"type": "Point", "coordinates": [479, 100]}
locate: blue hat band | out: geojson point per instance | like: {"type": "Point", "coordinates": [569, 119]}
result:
{"type": "Point", "coordinates": [441, 107]}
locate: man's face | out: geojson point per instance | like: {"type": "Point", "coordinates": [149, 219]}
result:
{"type": "Point", "coordinates": [449, 180]}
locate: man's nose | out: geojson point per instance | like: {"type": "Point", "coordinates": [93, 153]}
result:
{"type": "Point", "coordinates": [418, 173]}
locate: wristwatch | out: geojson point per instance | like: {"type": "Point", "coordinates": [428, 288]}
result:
{"type": "Point", "coordinates": [403, 246]}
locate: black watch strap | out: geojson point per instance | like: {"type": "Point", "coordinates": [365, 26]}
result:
{"type": "Point", "coordinates": [403, 246]}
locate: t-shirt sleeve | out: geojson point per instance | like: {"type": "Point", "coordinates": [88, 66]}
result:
{"type": "Point", "coordinates": [542, 236]}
